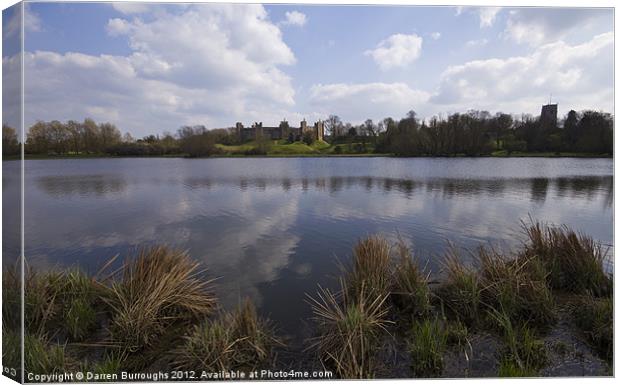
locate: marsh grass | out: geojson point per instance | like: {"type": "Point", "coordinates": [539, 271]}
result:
{"type": "Point", "coordinates": [11, 298]}
{"type": "Point", "coordinates": [157, 288]}
{"type": "Point", "coordinates": [209, 346]}
{"type": "Point", "coordinates": [410, 290]}
{"type": "Point", "coordinates": [371, 267]}
{"type": "Point", "coordinates": [350, 328]}
{"type": "Point", "coordinates": [516, 286]}
{"type": "Point", "coordinates": [426, 346]}
{"type": "Point", "coordinates": [255, 337]}
{"type": "Point", "coordinates": [11, 348]}
{"type": "Point", "coordinates": [508, 368]}
{"type": "Point", "coordinates": [111, 363]}
{"type": "Point", "coordinates": [60, 301]}
{"type": "Point", "coordinates": [524, 354]}
{"type": "Point", "coordinates": [460, 292]}
{"type": "Point", "coordinates": [574, 261]}
{"type": "Point", "coordinates": [76, 295]}
{"type": "Point", "coordinates": [43, 357]}
{"type": "Point", "coordinates": [147, 303]}
{"type": "Point", "coordinates": [595, 318]}
{"type": "Point", "coordinates": [235, 341]}
{"type": "Point", "coordinates": [40, 306]}
{"type": "Point", "coordinates": [457, 333]}
{"type": "Point", "coordinates": [80, 318]}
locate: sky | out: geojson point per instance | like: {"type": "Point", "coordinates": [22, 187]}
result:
{"type": "Point", "coordinates": [151, 68]}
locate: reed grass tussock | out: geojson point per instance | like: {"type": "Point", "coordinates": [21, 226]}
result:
{"type": "Point", "coordinates": [40, 293]}
{"type": "Point", "coordinates": [62, 301]}
{"type": "Point", "coordinates": [518, 287]}
{"type": "Point", "coordinates": [371, 267]}
{"type": "Point", "coordinates": [235, 341]}
{"type": "Point", "coordinates": [255, 337]}
{"type": "Point", "coordinates": [508, 368]}
{"type": "Point", "coordinates": [595, 318]}
{"type": "Point", "coordinates": [77, 297]}
{"type": "Point", "coordinates": [426, 345]}
{"type": "Point", "coordinates": [574, 261]}
{"type": "Point", "coordinates": [524, 354]}
{"type": "Point", "coordinates": [209, 346]}
{"type": "Point", "coordinates": [111, 363]}
{"type": "Point", "coordinates": [460, 292]}
{"type": "Point", "coordinates": [349, 329]}
{"type": "Point", "coordinates": [457, 333]}
{"type": "Point", "coordinates": [410, 290]}
{"type": "Point", "coordinates": [11, 348]}
{"type": "Point", "coordinates": [43, 357]}
{"type": "Point", "coordinates": [11, 298]}
{"type": "Point", "coordinates": [157, 288]}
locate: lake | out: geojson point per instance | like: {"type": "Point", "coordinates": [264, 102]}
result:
{"type": "Point", "coordinates": [274, 228]}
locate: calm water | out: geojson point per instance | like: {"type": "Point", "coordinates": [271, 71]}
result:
{"type": "Point", "coordinates": [273, 228]}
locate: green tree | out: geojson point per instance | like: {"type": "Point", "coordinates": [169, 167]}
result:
{"type": "Point", "coordinates": [10, 144]}
{"type": "Point", "coordinates": [571, 131]}
{"type": "Point", "coordinates": [308, 138]}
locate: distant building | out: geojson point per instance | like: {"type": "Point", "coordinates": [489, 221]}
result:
{"type": "Point", "coordinates": [283, 131]}
{"type": "Point", "coordinates": [549, 115]}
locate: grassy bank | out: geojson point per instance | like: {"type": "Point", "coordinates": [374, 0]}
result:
{"type": "Point", "coordinates": [281, 148]}
{"type": "Point", "coordinates": [506, 154]}
{"type": "Point", "coordinates": [157, 312]}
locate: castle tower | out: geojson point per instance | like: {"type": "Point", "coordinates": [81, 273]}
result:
{"type": "Point", "coordinates": [319, 130]}
{"type": "Point", "coordinates": [258, 130]}
{"type": "Point", "coordinates": [549, 115]}
{"type": "Point", "coordinates": [284, 129]}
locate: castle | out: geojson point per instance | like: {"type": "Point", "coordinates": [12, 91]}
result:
{"type": "Point", "coordinates": [283, 131]}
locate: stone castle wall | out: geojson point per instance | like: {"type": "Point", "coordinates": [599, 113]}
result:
{"type": "Point", "coordinates": [283, 131]}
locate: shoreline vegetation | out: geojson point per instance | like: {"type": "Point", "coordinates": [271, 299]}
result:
{"type": "Point", "coordinates": [470, 134]}
{"type": "Point", "coordinates": [532, 313]}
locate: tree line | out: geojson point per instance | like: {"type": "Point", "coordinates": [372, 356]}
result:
{"type": "Point", "coordinates": [476, 133]}
{"type": "Point", "coordinates": [473, 133]}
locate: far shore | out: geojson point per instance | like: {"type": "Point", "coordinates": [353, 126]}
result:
{"type": "Point", "coordinates": [362, 155]}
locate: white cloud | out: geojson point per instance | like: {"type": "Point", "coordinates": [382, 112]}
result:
{"type": "Point", "coordinates": [357, 102]}
{"type": "Point", "coordinates": [487, 16]}
{"type": "Point", "coordinates": [32, 21]}
{"type": "Point", "coordinates": [579, 76]}
{"type": "Point", "coordinates": [398, 50]}
{"type": "Point", "coordinates": [295, 18]}
{"type": "Point", "coordinates": [11, 90]}
{"type": "Point", "coordinates": [210, 64]}
{"type": "Point", "coordinates": [435, 35]}
{"type": "Point", "coordinates": [535, 26]}
{"type": "Point", "coordinates": [476, 43]}
{"type": "Point", "coordinates": [131, 8]}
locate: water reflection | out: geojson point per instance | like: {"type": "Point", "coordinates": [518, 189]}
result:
{"type": "Point", "coordinates": [539, 187]}
{"type": "Point", "coordinates": [536, 188]}
{"type": "Point", "coordinates": [85, 185]}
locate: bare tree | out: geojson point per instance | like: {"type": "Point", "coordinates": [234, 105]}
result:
{"type": "Point", "coordinates": [334, 125]}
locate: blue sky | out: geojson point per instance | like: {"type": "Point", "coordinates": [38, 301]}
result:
{"type": "Point", "coordinates": [152, 68]}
